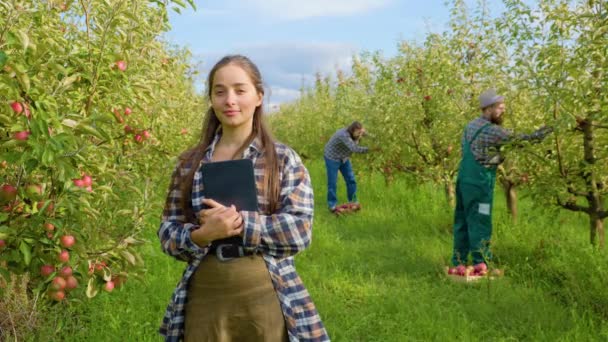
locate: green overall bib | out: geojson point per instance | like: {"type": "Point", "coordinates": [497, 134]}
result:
{"type": "Point", "coordinates": [473, 215]}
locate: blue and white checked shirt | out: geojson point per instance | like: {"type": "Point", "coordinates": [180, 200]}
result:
{"type": "Point", "coordinates": [340, 146]}
{"type": "Point", "coordinates": [278, 236]}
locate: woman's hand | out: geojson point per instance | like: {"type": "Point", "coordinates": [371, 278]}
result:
{"type": "Point", "coordinates": [218, 222]}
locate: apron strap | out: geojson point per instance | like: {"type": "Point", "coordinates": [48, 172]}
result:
{"type": "Point", "coordinates": [477, 133]}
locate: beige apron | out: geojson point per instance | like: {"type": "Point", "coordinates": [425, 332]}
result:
{"type": "Point", "coordinates": [233, 301]}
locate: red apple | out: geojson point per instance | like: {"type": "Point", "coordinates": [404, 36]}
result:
{"type": "Point", "coordinates": [460, 270]}
{"type": "Point", "coordinates": [128, 111]}
{"type": "Point", "coordinates": [2, 244]}
{"type": "Point", "coordinates": [65, 271]}
{"type": "Point", "coordinates": [4, 164]}
{"type": "Point", "coordinates": [58, 283]}
{"type": "Point", "coordinates": [99, 267]}
{"type": "Point", "coordinates": [79, 183]}
{"type": "Point", "coordinates": [67, 241]}
{"type": "Point", "coordinates": [64, 256]}
{"type": "Point", "coordinates": [87, 180]}
{"type": "Point", "coordinates": [8, 193]}
{"type": "Point", "coordinates": [49, 235]}
{"type": "Point", "coordinates": [34, 191]}
{"type": "Point", "coordinates": [128, 129]}
{"type": "Point", "coordinates": [22, 135]}
{"type": "Point", "coordinates": [138, 138]}
{"type": "Point", "coordinates": [49, 227]}
{"type": "Point", "coordinates": [146, 134]}
{"type": "Point", "coordinates": [109, 286]}
{"type": "Point", "coordinates": [49, 208]}
{"type": "Point", "coordinates": [427, 97]}
{"type": "Point", "coordinates": [119, 280]}
{"type": "Point", "coordinates": [46, 270]}
{"type": "Point", "coordinates": [17, 107]}
{"type": "Point", "coordinates": [480, 269]}
{"type": "Point", "coordinates": [57, 295]}
{"type": "Point", "coordinates": [71, 283]}
{"type": "Point", "coordinates": [122, 65]}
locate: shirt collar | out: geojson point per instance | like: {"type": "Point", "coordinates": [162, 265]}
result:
{"type": "Point", "coordinates": [254, 147]}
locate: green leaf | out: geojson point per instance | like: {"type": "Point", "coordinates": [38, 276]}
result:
{"type": "Point", "coordinates": [67, 81]}
{"type": "Point", "coordinates": [3, 59]}
{"type": "Point", "coordinates": [48, 157]}
{"type": "Point", "coordinates": [89, 129]}
{"type": "Point", "coordinates": [6, 120]}
{"type": "Point", "coordinates": [130, 258]}
{"type": "Point", "coordinates": [24, 39]}
{"type": "Point", "coordinates": [24, 79]}
{"type": "Point", "coordinates": [26, 251]}
{"type": "Point", "coordinates": [91, 288]}
{"type": "Point", "coordinates": [5, 274]}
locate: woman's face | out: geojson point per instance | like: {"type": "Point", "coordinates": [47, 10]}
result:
{"type": "Point", "coordinates": [234, 97]}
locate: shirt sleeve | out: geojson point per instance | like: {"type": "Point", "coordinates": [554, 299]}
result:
{"type": "Point", "coordinates": [350, 143]}
{"type": "Point", "coordinates": [174, 231]}
{"type": "Point", "coordinates": [288, 231]}
{"type": "Point", "coordinates": [501, 135]}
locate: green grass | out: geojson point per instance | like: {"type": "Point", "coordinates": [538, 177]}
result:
{"type": "Point", "coordinates": [378, 276]}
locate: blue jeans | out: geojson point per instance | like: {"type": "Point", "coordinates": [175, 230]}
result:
{"type": "Point", "coordinates": [346, 169]}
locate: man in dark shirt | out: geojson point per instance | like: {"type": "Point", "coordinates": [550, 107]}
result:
{"type": "Point", "coordinates": [476, 178]}
{"type": "Point", "coordinates": [337, 157]}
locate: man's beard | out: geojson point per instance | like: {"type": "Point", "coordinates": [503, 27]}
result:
{"type": "Point", "coordinates": [497, 120]}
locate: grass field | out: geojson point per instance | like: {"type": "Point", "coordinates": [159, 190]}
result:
{"type": "Point", "coordinates": [377, 275]}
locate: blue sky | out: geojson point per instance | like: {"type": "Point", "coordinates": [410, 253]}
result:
{"type": "Point", "coordinates": [291, 40]}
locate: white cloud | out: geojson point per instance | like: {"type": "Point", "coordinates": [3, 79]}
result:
{"type": "Point", "coordinates": [297, 10]}
{"type": "Point", "coordinates": [286, 67]}
{"type": "Point", "coordinates": [285, 93]}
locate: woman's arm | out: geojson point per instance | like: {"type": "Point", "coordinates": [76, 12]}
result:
{"type": "Point", "coordinates": [174, 232]}
{"type": "Point", "coordinates": [288, 231]}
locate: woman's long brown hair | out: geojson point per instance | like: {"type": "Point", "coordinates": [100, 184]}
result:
{"type": "Point", "coordinates": [193, 157]}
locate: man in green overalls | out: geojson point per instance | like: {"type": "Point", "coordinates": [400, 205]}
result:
{"type": "Point", "coordinates": [475, 184]}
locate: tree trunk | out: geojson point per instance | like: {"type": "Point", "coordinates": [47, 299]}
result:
{"type": "Point", "coordinates": [511, 196]}
{"type": "Point", "coordinates": [596, 231]}
{"type": "Point", "coordinates": [512, 202]}
{"type": "Point", "coordinates": [450, 193]}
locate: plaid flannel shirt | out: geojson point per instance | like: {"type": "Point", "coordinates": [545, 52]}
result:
{"type": "Point", "coordinates": [486, 145]}
{"type": "Point", "coordinates": [278, 237]}
{"type": "Point", "coordinates": [340, 146]}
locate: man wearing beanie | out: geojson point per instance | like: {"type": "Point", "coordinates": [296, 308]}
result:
{"type": "Point", "coordinates": [475, 183]}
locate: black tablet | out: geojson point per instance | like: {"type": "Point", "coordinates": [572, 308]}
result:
{"type": "Point", "coordinates": [231, 182]}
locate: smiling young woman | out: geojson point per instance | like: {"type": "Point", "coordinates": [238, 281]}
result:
{"type": "Point", "coordinates": [255, 294]}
